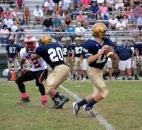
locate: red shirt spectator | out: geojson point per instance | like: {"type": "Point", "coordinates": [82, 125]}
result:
{"type": "Point", "coordinates": [127, 12]}
{"type": "Point", "coordinates": [19, 3]}
{"type": "Point", "coordinates": [7, 13]}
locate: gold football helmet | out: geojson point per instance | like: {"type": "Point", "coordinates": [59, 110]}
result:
{"type": "Point", "coordinates": [77, 39]}
{"type": "Point", "coordinates": [99, 30]}
{"type": "Point", "coordinates": [63, 40]}
{"type": "Point", "coordinates": [45, 39]}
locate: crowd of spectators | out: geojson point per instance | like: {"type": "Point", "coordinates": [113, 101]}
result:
{"type": "Point", "coordinates": [74, 16]}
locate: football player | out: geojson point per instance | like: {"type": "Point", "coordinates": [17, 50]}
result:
{"type": "Point", "coordinates": [84, 63]}
{"type": "Point", "coordinates": [65, 50]}
{"type": "Point", "coordinates": [12, 50]}
{"type": "Point", "coordinates": [37, 71]}
{"type": "Point", "coordinates": [97, 52]}
{"type": "Point", "coordinates": [53, 55]}
{"type": "Point", "coordinates": [77, 57]}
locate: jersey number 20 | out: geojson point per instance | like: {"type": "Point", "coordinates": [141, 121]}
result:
{"type": "Point", "coordinates": [56, 54]}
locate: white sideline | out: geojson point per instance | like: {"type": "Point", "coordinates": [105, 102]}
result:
{"type": "Point", "coordinates": [101, 119]}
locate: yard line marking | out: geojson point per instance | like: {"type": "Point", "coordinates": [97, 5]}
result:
{"type": "Point", "coordinates": [102, 120]}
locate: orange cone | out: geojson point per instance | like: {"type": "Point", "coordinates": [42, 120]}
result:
{"type": "Point", "coordinates": [13, 76]}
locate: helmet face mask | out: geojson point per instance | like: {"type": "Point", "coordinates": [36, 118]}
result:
{"type": "Point", "coordinates": [99, 30]}
{"type": "Point", "coordinates": [30, 46]}
{"type": "Point", "coordinates": [30, 42]}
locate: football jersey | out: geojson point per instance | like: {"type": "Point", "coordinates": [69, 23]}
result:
{"type": "Point", "coordinates": [71, 49]}
{"type": "Point", "coordinates": [139, 47]}
{"type": "Point", "coordinates": [51, 53]}
{"type": "Point", "coordinates": [65, 50]}
{"type": "Point", "coordinates": [91, 47]}
{"type": "Point", "coordinates": [12, 50]}
{"type": "Point", "coordinates": [78, 50]}
{"type": "Point", "coordinates": [124, 52]}
{"type": "Point", "coordinates": [38, 64]}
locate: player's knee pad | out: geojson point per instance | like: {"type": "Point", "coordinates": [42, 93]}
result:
{"type": "Point", "coordinates": [104, 92]}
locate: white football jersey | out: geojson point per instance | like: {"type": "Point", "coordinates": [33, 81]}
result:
{"type": "Point", "coordinates": [38, 64]}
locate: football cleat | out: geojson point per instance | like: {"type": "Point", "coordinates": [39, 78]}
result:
{"type": "Point", "coordinates": [90, 112]}
{"type": "Point", "coordinates": [75, 108]}
{"type": "Point", "coordinates": [59, 102]}
{"type": "Point", "coordinates": [62, 102]}
{"type": "Point", "coordinates": [23, 101]}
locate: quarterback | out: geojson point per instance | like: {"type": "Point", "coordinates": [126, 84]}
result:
{"type": "Point", "coordinates": [53, 55]}
{"type": "Point", "coordinates": [97, 52]}
{"type": "Point", "coordinates": [38, 69]}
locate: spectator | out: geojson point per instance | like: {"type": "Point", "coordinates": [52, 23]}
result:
{"type": "Point", "coordinates": [48, 25]}
{"type": "Point", "coordinates": [127, 12]}
{"type": "Point", "coordinates": [57, 24]}
{"type": "Point", "coordinates": [64, 4]}
{"type": "Point", "coordinates": [1, 12]}
{"type": "Point", "coordinates": [7, 13]}
{"type": "Point", "coordinates": [136, 12]}
{"type": "Point", "coordinates": [121, 25]}
{"type": "Point", "coordinates": [70, 29]}
{"type": "Point", "coordinates": [85, 3]}
{"type": "Point", "coordinates": [4, 33]}
{"type": "Point", "coordinates": [26, 15]}
{"type": "Point", "coordinates": [15, 26]}
{"type": "Point", "coordinates": [9, 22]}
{"type": "Point", "coordinates": [139, 22]}
{"type": "Point", "coordinates": [80, 18]}
{"type": "Point", "coordinates": [119, 5]}
{"type": "Point", "coordinates": [103, 9]}
{"type": "Point", "coordinates": [38, 14]}
{"type": "Point", "coordinates": [79, 30]}
{"type": "Point", "coordinates": [19, 3]}
{"type": "Point", "coordinates": [91, 18]}
{"type": "Point", "coordinates": [110, 5]}
{"type": "Point", "coordinates": [94, 7]}
{"type": "Point", "coordinates": [48, 7]}
{"type": "Point", "coordinates": [15, 15]}
{"type": "Point", "coordinates": [112, 22]}
{"type": "Point", "coordinates": [67, 19]}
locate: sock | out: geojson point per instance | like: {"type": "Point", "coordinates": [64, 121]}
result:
{"type": "Point", "coordinates": [90, 104]}
{"type": "Point", "coordinates": [82, 102]}
{"type": "Point", "coordinates": [24, 95]}
{"type": "Point", "coordinates": [43, 97]}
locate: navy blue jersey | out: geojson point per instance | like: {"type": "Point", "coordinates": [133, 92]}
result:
{"type": "Point", "coordinates": [123, 52]}
{"type": "Point", "coordinates": [139, 47]}
{"type": "Point", "coordinates": [71, 49]}
{"type": "Point", "coordinates": [77, 50]}
{"type": "Point", "coordinates": [12, 50]}
{"type": "Point", "coordinates": [51, 53]}
{"type": "Point", "coordinates": [91, 47]}
{"type": "Point", "coordinates": [65, 51]}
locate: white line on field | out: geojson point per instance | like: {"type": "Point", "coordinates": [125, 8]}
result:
{"type": "Point", "coordinates": [101, 119]}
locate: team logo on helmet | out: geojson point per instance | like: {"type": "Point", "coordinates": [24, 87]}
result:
{"type": "Point", "coordinates": [45, 39]}
{"type": "Point", "coordinates": [99, 30]}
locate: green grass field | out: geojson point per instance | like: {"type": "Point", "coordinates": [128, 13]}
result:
{"type": "Point", "coordinates": [122, 108]}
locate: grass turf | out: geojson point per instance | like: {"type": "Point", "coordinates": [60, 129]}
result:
{"type": "Point", "coordinates": [122, 108]}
